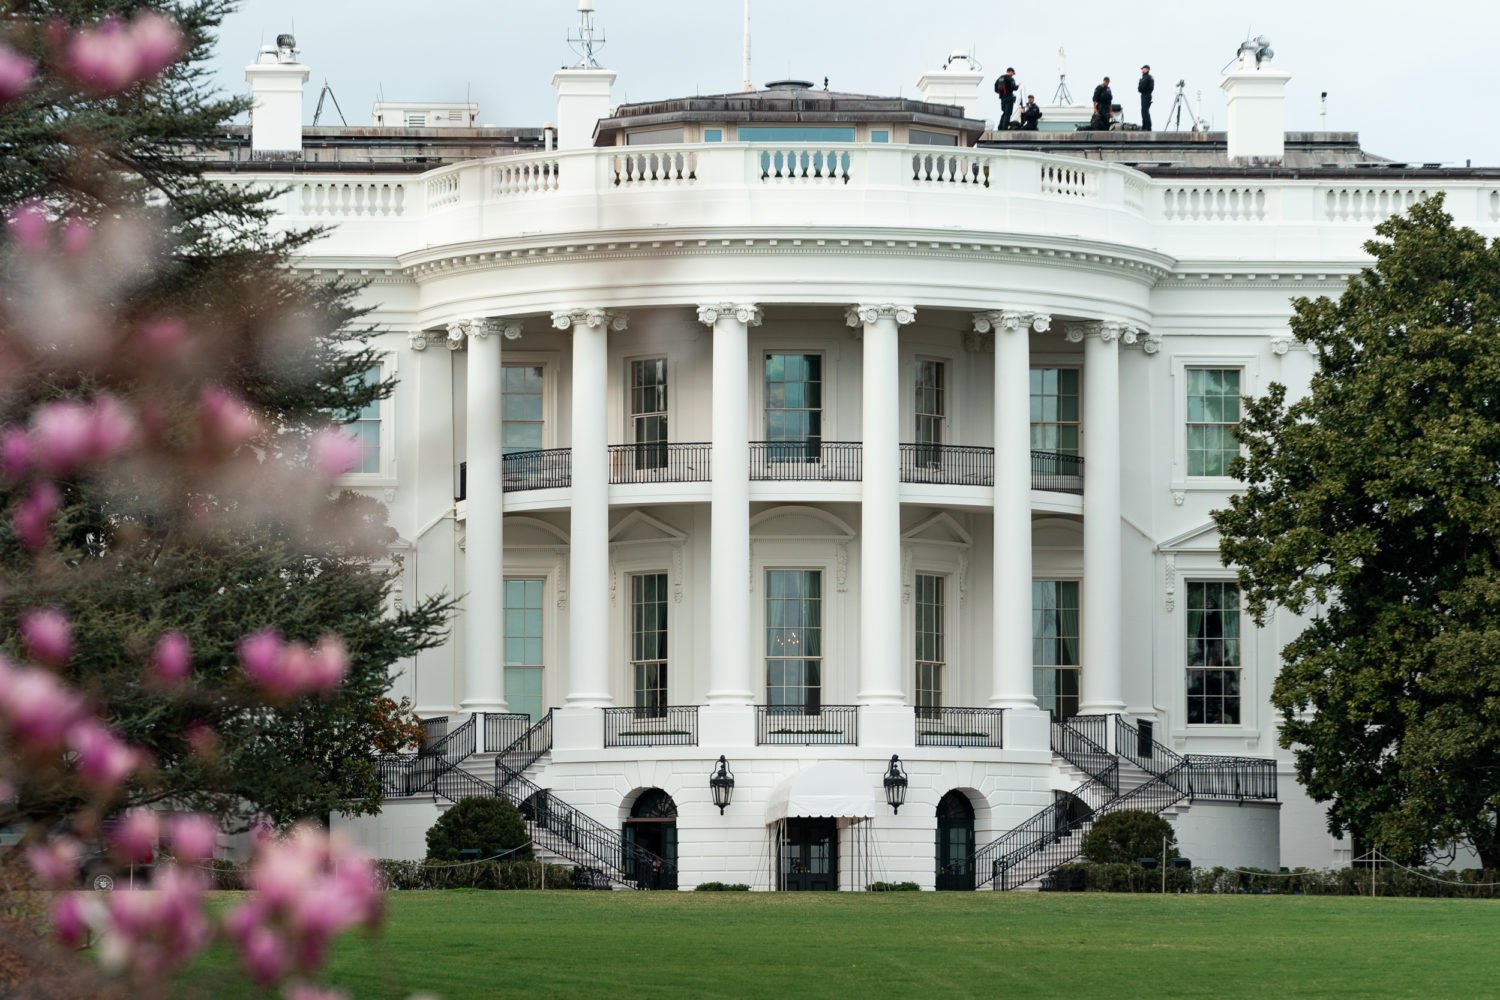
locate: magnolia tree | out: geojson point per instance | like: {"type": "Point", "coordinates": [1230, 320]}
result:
{"type": "Point", "coordinates": [142, 441]}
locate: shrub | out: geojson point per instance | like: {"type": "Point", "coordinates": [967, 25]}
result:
{"type": "Point", "coordinates": [1126, 836]}
{"type": "Point", "coordinates": [484, 875]}
{"type": "Point", "coordinates": [893, 887]}
{"type": "Point", "coordinates": [721, 887]}
{"type": "Point", "coordinates": [490, 826]}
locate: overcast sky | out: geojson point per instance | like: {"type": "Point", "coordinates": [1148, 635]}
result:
{"type": "Point", "coordinates": [1412, 78]}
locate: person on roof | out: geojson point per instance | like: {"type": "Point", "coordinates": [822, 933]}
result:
{"type": "Point", "coordinates": [1030, 115]}
{"type": "Point", "coordinates": [1005, 86]}
{"type": "Point", "coordinates": [1104, 99]}
{"type": "Point", "coordinates": [1145, 87]}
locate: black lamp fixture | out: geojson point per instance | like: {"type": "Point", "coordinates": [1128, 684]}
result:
{"type": "Point", "coordinates": [721, 783]}
{"type": "Point", "coordinates": [895, 784]}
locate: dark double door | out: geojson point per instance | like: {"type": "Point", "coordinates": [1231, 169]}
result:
{"type": "Point", "coordinates": [810, 855]}
{"type": "Point", "coordinates": [955, 853]}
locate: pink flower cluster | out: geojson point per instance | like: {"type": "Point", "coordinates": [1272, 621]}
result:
{"type": "Point", "coordinates": [113, 54]}
{"type": "Point", "coordinates": [16, 74]}
{"type": "Point", "coordinates": [36, 708]}
{"type": "Point", "coordinates": [308, 887]}
{"type": "Point", "coordinates": [287, 670]}
{"type": "Point", "coordinates": [333, 452]}
{"type": "Point", "coordinates": [224, 422]}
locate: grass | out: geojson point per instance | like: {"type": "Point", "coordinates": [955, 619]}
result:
{"type": "Point", "coordinates": [461, 944]}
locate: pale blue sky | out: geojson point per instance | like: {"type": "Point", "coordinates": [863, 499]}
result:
{"type": "Point", "coordinates": [1410, 77]}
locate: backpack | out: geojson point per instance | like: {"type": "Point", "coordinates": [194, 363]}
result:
{"type": "Point", "coordinates": [1000, 85]}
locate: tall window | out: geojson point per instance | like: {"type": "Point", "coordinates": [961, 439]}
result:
{"type": "Point", "coordinates": [1213, 409]}
{"type": "Point", "coordinates": [794, 640]}
{"type": "Point", "coordinates": [930, 404]}
{"type": "Point", "coordinates": [931, 656]}
{"type": "Point", "coordinates": [648, 412]}
{"type": "Point", "coordinates": [521, 429]}
{"type": "Point", "coordinates": [524, 661]}
{"type": "Point", "coordinates": [1054, 410]}
{"type": "Point", "coordinates": [363, 425]}
{"type": "Point", "coordinates": [1213, 653]}
{"type": "Point", "coordinates": [794, 406]}
{"type": "Point", "coordinates": [1054, 646]}
{"type": "Point", "coordinates": [648, 642]}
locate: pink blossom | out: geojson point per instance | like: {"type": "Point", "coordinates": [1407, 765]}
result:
{"type": "Point", "coordinates": [112, 428]}
{"type": "Point", "coordinates": [265, 955]}
{"type": "Point", "coordinates": [56, 861]}
{"type": "Point", "coordinates": [70, 919]}
{"type": "Point", "coordinates": [63, 435]}
{"type": "Point", "coordinates": [159, 43]}
{"type": "Point", "coordinates": [38, 707]}
{"type": "Point", "coordinates": [193, 836]}
{"type": "Point", "coordinates": [16, 74]}
{"type": "Point", "coordinates": [172, 659]}
{"type": "Point", "coordinates": [201, 739]}
{"type": "Point", "coordinates": [260, 656]}
{"type": "Point", "coordinates": [224, 421]}
{"type": "Point", "coordinates": [287, 670]}
{"type": "Point", "coordinates": [30, 227]}
{"type": "Point", "coordinates": [32, 515]}
{"type": "Point", "coordinates": [75, 235]}
{"type": "Point", "coordinates": [134, 837]}
{"type": "Point", "coordinates": [47, 636]}
{"type": "Point", "coordinates": [15, 453]}
{"type": "Point", "coordinates": [110, 56]}
{"type": "Point", "coordinates": [104, 761]}
{"type": "Point", "coordinates": [163, 337]}
{"type": "Point", "coordinates": [333, 453]}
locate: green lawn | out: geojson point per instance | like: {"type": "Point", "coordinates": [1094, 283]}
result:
{"type": "Point", "coordinates": [461, 944]}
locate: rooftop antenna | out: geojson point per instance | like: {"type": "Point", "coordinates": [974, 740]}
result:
{"type": "Point", "coordinates": [745, 84]}
{"type": "Point", "coordinates": [1323, 113]}
{"type": "Point", "coordinates": [588, 40]}
{"type": "Point", "coordinates": [327, 92]}
{"type": "Point", "coordinates": [1180, 104]}
{"type": "Point", "coordinates": [1062, 98]}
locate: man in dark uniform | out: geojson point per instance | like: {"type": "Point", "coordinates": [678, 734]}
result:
{"type": "Point", "coordinates": [1104, 99]}
{"type": "Point", "coordinates": [1146, 86]}
{"type": "Point", "coordinates": [1030, 115]}
{"type": "Point", "coordinates": [1006, 88]}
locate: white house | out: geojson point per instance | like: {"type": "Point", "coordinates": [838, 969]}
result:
{"type": "Point", "coordinates": [833, 436]}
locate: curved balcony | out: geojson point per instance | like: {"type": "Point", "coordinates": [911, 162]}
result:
{"type": "Point", "coordinates": [781, 461]}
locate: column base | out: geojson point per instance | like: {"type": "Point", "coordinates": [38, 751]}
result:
{"type": "Point", "coordinates": [578, 728]}
{"type": "Point", "coordinates": [726, 726]}
{"type": "Point", "coordinates": [1028, 729]}
{"type": "Point", "coordinates": [888, 726]}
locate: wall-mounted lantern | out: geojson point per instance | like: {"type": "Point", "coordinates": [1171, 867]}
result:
{"type": "Point", "coordinates": [895, 784]}
{"type": "Point", "coordinates": [721, 783]}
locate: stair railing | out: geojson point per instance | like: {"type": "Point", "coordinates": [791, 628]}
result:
{"type": "Point", "coordinates": [997, 860]}
{"type": "Point", "coordinates": [525, 751]}
{"type": "Point", "coordinates": [1084, 751]}
{"type": "Point", "coordinates": [446, 754]}
{"type": "Point", "coordinates": [1156, 760]}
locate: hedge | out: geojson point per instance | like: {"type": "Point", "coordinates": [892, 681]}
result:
{"type": "Point", "coordinates": [721, 887]}
{"type": "Point", "coordinates": [1296, 882]}
{"type": "Point", "coordinates": [474, 875]}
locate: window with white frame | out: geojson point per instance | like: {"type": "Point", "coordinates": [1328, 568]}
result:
{"type": "Point", "coordinates": [364, 426]}
{"type": "Point", "coordinates": [1213, 410]}
{"type": "Point", "coordinates": [1054, 410]}
{"type": "Point", "coordinates": [525, 660]}
{"type": "Point", "coordinates": [931, 657]}
{"type": "Point", "coordinates": [794, 640]}
{"type": "Point", "coordinates": [523, 420]}
{"type": "Point", "coordinates": [648, 643]}
{"type": "Point", "coordinates": [648, 413]}
{"type": "Point", "coordinates": [1213, 653]}
{"type": "Point", "coordinates": [1054, 646]}
{"type": "Point", "coordinates": [794, 406]}
{"type": "Point", "coordinates": [930, 408]}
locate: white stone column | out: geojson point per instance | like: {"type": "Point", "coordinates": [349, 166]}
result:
{"type": "Point", "coordinates": [730, 678]}
{"type": "Point", "coordinates": [484, 547]}
{"type": "Point", "coordinates": [881, 652]}
{"type": "Point", "coordinates": [1102, 678]}
{"type": "Point", "coordinates": [588, 551]}
{"type": "Point", "coordinates": [1011, 681]}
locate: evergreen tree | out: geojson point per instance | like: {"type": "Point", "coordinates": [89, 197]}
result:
{"type": "Point", "coordinates": [182, 294]}
{"type": "Point", "coordinates": [1372, 504]}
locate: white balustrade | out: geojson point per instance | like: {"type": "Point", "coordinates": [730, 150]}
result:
{"type": "Point", "coordinates": [442, 190]}
{"type": "Point", "coordinates": [1367, 204]}
{"type": "Point", "coordinates": [1213, 203]}
{"type": "Point", "coordinates": [951, 168]}
{"type": "Point", "coordinates": [1069, 180]}
{"type": "Point", "coordinates": [351, 199]}
{"type": "Point", "coordinates": [520, 177]}
{"type": "Point", "coordinates": [654, 167]}
{"type": "Point", "coordinates": [806, 164]}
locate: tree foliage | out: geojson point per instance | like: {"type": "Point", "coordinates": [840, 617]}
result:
{"type": "Point", "coordinates": [1371, 504]}
{"type": "Point", "coordinates": [158, 548]}
{"type": "Point", "coordinates": [491, 826]}
{"type": "Point", "coordinates": [1124, 837]}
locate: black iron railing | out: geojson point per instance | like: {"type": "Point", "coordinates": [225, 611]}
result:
{"type": "Point", "coordinates": [579, 837]}
{"type": "Point", "coordinates": [960, 727]}
{"type": "Point", "coordinates": [1236, 778]}
{"type": "Point", "coordinates": [502, 729]}
{"type": "Point", "coordinates": [394, 771]}
{"type": "Point", "coordinates": [948, 464]}
{"type": "Point", "coordinates": [1054, 471]}
{"type": "Point", "coordinates": [1010, 859]}
{"type": "Point", "coordinates": [1081, 741]}
{"type": "Point", "coordinates": [659, 726]}
{"type": "Point", "coordinates": [548, 469]}
{"type": "Point", "coordinates": [806, 725]}
{"type": "Point", "coordinates": [527, 748]}
{"type": "Point", "coordinates": [413, 774]}
{"type": "Point", "coordinates": [433, 730]}
{"type": "Point", "coordinates": [660, 462]}
{"type": "Point", "coordinates": [810, 460]}
{"type": "Point", "coordinates": [1137, 745]}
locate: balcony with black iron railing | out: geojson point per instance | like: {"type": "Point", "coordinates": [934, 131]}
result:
{"type": "Point", "coordinates": [651, 726]}
{"type": "Point", "coordinates": [811, 460]}
{"type": "Point", "coordinates": [807, 725]}
{"type": "Point", "coordinates": [960, 727]}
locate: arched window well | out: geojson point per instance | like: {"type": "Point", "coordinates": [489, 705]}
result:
{"type": "Point", "coordinates": [651, 827]}
{"type": "Point", "coordinates": [955, 843]}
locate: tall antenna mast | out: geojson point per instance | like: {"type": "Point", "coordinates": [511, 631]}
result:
{"type": "Point", "coordinates": [588, 40]}
{"type": "Point", "coordinates": [1062, 98]}
{"type": "Point", "coordinates": [746, 85]}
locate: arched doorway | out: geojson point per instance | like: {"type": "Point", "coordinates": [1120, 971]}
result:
{"type": "Point", "coordinates": [652, 826]}
{"type": "Point", "coordinates": [955, 842]}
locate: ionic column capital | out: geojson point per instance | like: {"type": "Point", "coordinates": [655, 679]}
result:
{"type": "Point", "coordinates": [475, 327]}
{"type": "Point", "coordinates": [1011, 321]}
{"type": "Point", "coordinates": [866, 314]}
{"type": "Point", "coordinates": [417, 340]}
{"type": "Point", "coordinates": [747, 313]}
{"type": "Point", "coordinates": [594, 319]}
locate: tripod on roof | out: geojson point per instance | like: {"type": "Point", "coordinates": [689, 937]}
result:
{"type": "Point", "coordinates": [1179, 103]}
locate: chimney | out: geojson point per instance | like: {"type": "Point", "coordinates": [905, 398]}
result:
{"type": "Point", "coordinates": [276, 79]}
{"type": "Point", "coordinates": [1256, 94]}
{"type": "Point", "coordinates": [583, 90]}
{"type": "Point", "coordinates": [956, 83]}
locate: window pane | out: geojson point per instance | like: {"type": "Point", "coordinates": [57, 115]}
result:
{"type": "Point", "coordinates": [1054, 410]}
{"type": "Point", "coordinates": [793, 601]}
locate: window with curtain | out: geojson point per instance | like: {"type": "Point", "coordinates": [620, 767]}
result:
{"type": "Point", "coordinates": [1054, 410]}
{"type": "Point", "coordinates": [522, 420]}
{"type": "Point", "coordinates": [1054, 646]}
{"type": "Point", "coordinates": [1213, 410]}
{"type": "Point", "coordinates": [1213, 653]}
{"type": "Point", "coordinates": [930, 406]}
{"type": "Point", "coordinates": [648, 643]}
{"type": "Point", "coordinates": [524, 657]}
{"type": "Point", "coordinates": [794, 640]}
{"type": "Point", "coordinates": [648, 412]}
{"type": "Point", "coordinates": [363, 425]}
{"type": "Point", "coordinates": [931, 657]}
{"type": "Point", "coordinates": [794, 407]}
